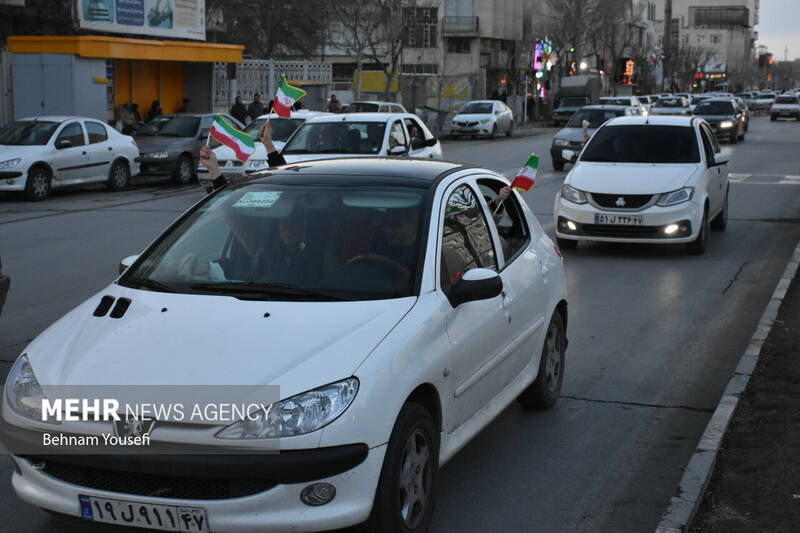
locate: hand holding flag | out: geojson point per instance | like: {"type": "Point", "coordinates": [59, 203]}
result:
{"type": "Point", "coordinates": [241, 143]}
{"type": "Point", "coordinates": [526, 177]}
{"type": "Point", "coordinates": [286, 97]}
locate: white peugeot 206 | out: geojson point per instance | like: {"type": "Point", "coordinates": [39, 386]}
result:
{"type": "Point", "coordinates": [394, 310]}
{"type": "Point", "coordinates": [646, 180]}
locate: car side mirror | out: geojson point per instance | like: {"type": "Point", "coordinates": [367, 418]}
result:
{"type": "Point", "coordinates": [398, 150]}
{"type": "Point", "coordinates": [567, 155]}
{"type": "Point", "coordinates": [431, 142]}
{"type": "Point", "coordinates": [63, 143]}
{"type": "Point", "coordinates": [476, 284]}
{"type": "Point", "coordinates": [125, 263]}
{"type": "Point", "coordinates": [721, 158]}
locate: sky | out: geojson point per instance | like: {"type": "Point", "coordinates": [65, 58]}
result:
{"type": "Point", "coordinates": [778, 27]}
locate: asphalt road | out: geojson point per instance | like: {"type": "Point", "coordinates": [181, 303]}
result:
{"type": "Point", "coordinates": [655, 334]}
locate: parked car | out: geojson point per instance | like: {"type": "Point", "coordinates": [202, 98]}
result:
{"type": "Point", "coordinates": [405, 323]}
{"type": "Point", "coordinates": [374, 107]}
{"type": "Point", "coordinates": [671, 105]}
{"type": "Point", "coordinates": [362, 135]}
{"type": "Point", "coordinates": [572, 135]}
{"type": "Point", "coordinates": [39, 154]}
{"type": "Point", "coordinates": [567, 107]}
{"type": "Point", "coordinates": [5, 285]}
{"type": "Point", "coordinates": [169, 144]}
{"type": "Point", "coordinates": [282, 129]}
{"type": "Point", "coordinates": [648, 180]}
{"type": "Point", "coordinates": [724, 117]}
{"type": "Point", "coordinates": [483, 117]}
{"type": "Point", "coordinates": [628, 101]}
{"type": "Point", "coordinates": [785, 106]}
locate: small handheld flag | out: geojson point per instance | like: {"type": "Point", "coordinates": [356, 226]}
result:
{"type": "Point", "coordinates": [241, 143]}
{"type": "Point", "coordinates": [286, 97]}
{"type": "Point", "coordinates": [526, 177]}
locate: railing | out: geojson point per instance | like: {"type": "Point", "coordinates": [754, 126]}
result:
{"type": "Point", "coordinates": [459, 25]}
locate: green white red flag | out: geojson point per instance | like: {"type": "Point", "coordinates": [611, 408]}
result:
{"type": "Point", "coordinates": [286, 97]}
{"type": "Point", "coordinates": [241, 143]}
{"type": "Point", "coordinates": [526, 177]}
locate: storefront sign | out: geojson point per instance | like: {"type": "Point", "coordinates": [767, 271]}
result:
{"type": "Point", "coordinates": [164, 18]}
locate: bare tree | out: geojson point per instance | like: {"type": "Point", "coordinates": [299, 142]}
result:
{"type": "Point", "coordinates": [688, 60]}
{"type": "Point", "coordinates": [352, 30]}
{"type": "Point", "coordinates": [614, 30]}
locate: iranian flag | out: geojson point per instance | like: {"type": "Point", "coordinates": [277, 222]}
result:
{"type": "Point", "coordinates": [526, 177]}
{"type": "Point", "coordinates": [286, 97]}
{"type": "Point", "coordinates": [241, 143]}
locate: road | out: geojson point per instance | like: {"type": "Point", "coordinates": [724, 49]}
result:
{"type": "Point", "coordinates": [654, 333]}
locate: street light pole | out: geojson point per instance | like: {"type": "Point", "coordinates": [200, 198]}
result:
{"type": "Point", "coordinates": [667, 70]}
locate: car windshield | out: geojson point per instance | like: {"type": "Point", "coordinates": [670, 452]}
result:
{"type": "Point", "coordinates": [292, 242]}
{"type": "Point", "coordinates": [643, 144]}
{"type": "Point", "coordinates": [616, 101]}
{"type": "Point", "coordinates": [27, 132]}
{"type": "Point", "coordinates": [697, 99]}
{"type": "Point", "coordinates": [714, 108]}
{"type": "Point", "coordinates": [786, 100]}
{"type": "Point", "coordinates": [765, 95]}
{"type": "Point", "coordinates": [176, 126]}
{"type": "Point", "coordinates": [669, 102]}
{"type": "Point", "coordinates": [337, 138]}
{"type": "Point", "coordinates": [282, 129]}
{"type": "Point", "coordinates": [596, 117]}
{"type": "Point", "coordinates": [746, 96]}
{"type": "Point", "coordinates": [573, 101]}
{"type": "Point", "coordinates": [361, 107]}
{"type": "Point", "coordinates": [476, 108]}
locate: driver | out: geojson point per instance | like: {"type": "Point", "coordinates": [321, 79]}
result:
{"type": "Point", "coordinates": [399, 243]}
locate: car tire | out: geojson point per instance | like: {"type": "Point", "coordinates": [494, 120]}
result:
{"type": "Point", "coordinates": [183, 170]}
{"type": "Point", "coordinates": [558, 165]}
{"type": "Point", "coordinates": [510, 131]}
{"type": "Point", "coordinates": [566, 244]}
{"type": "Point", "coordinates": [543, 393]}
{"type": "Point", "coordinates": [494, 131]}
{"type": "Point", "coordinates": [39, 183]}
{"type": "Point", "coordinates": [119, 175]}
{"type": "Point", "coordinates": [734, 138]}
{"type": "Point", "coordinates": [698, 246]}
{"type": "Point", "coordinates": [720, 221]}
{"type": "Point", "coordinates": [406, 475]}
{"type": "Point", "coordinates": [773, 118]}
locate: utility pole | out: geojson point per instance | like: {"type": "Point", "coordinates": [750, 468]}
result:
{"type": "Point", "coordinates": [667, 44]}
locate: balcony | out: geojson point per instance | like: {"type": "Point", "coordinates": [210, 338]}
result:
{"type": "Point", "coordinates": [460, 26]}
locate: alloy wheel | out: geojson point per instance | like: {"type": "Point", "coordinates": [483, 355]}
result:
{"type": "Point", "coordinates": [553, 358]}
{"type": "Point", "coordinates": [415, 479]}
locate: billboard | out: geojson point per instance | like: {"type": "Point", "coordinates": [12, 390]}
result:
{"type": "Point", "coordinates": [184, 19]}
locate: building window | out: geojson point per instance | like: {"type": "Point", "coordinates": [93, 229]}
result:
{"type": "Point", "coordinates": [716, 39]}
{"type": "Point", "coordinates": [701, 39]}
{"type": "Point", "coordinates": [421, 23]}
{"type": "Point", "coordinates": [420, 69]}
{"type": "Point", "coordinates": [459, 45]}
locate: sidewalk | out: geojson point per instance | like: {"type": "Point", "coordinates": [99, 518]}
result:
{"type": "Point", "coordinates": [756, 482]}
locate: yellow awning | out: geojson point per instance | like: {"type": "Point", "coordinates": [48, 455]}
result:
{"type": "Point", "coordinates": [121, 48]}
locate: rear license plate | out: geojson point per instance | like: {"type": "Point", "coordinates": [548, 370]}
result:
{"type": "Point", "coordinates": [148, 515]}
{"type": "Point", "coordinates": [625, 220]}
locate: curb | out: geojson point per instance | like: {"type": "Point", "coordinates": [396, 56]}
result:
{"type": "Point", "coordinates": [678, 516]}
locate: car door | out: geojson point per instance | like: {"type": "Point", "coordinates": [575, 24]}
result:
{"type": "Point", "coordinates": [716, 174]}
{"type": "Point", "coordinates": [99, 150]}
{"type": "Point", "coordinates": [477, 330]}
{"type": "Point", "coordinates": [419, 146]}
{"type": "Point", "coordinates": [70, 159]}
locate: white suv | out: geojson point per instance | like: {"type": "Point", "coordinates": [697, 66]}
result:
{"type": "Point", "coordinates": [649, 180]}
{"type": "Point", "coordinates": [785, 106]}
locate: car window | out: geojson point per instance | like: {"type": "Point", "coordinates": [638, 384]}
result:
{"type": "Point", "coordinates": [171, 126]}
{"type": "Point", "coordinates": [397, 136]}
{"type": "Point", "coordinates": [281, 129]}
{"type": "Point", "coordinates": [476, 108]}
{"type": "Point", "coordinates": [509, 219]}
{"type": "Point", "coordinates": [642, 144]}
{"type": "Point", "coordinates": [27, 133]}
{"type": "Point", "coordinates": [713, 138]}
{"type": "Point", "coordinates": [708, 148]}
{"type": "Point", "coordinates": [337, 138]}
{"type": "Point", "coordinates": [72, 132]}
{"type": "Point", "coordinates": [97, 132]}
{"type": "Point", "coordinates": [786, 100]}
{"type": "Point", "coordinates": [466, 241]}
{"type": "Point", "coordinates": [397, 109]}
{"type": "Point", "coordinates": [595, 117]}
{"type": "Point", "coordinates": [416, 133]}
{"type": "Point", "coordinates": [714, 108]}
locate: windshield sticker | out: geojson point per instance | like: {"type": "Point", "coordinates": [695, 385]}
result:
{"type": "Point", "coordinates": [263, 199]}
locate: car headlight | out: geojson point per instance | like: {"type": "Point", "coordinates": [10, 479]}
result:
{"type": "Point", "coordinates": [568, 192]}
{"type": "Point", "coordinates": [158, 155]}
{"type": "Point", "coordinates": [560, 142]}
{"type": "Point", "coordinates": [726, 124]}
{"type": "Point", "coordinates": [298, 415]}
{"type": "Point", "coordinates": [675, 197]}
{"type": "Point", "coordinates": [10, 163]}
{"type": "Point", "coordinates": [257, 163]}
{"type": "Point", "coordinates": [486, 121]}
{"type": "Point", "coordinates": [24, 395]}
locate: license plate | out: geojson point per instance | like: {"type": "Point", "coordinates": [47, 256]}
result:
{"type": "Point", "coordinates": [625, 220]}
{"type": "Point", "coordinates": [148, 515]}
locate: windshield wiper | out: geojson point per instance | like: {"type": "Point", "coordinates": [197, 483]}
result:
{"type": "Point", "coordinates": [260, 291]}
{"type": "Point", "coordinates": [146, 283]}
{"type": "Point", "coordinates": [297, 151]}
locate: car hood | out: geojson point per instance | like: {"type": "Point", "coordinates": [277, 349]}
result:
{"type": "Point", "coordinates": [573, 134]}
{"type": "Point", "coordinates": [154, 143]}
{"type": "Point", "coordinates": [190, 339]}
{"type": "Point", "coordinates": [473, 117]}
{"type": "Point", "coordinates": [630, 178]}
{"type": "Point", "coordinates": [12, 151]}
{"type": "Point", "coordinates": [711, 119]}
{"type": "Point", "coordinates": [225, 153]}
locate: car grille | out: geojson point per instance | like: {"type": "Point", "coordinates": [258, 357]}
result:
{"type": "Point", "coordinates": [466, 124]}
{"type": "Point", "coordinates": [639, 232]}
{"type": "Point", "coordinates": [161, 486]}
{"type": "Point", "coordinates": [576, 144]}
{"type": "Point", "coordinates": [632, 201]}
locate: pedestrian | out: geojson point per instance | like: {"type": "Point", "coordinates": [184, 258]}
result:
{"type": "Point", "coordinates": [137, 118]}
{"type": "Point", "coordinates": [155, 110]}
{"type": "Point", "coordinates": [270, 105]}
{"type": "Point", "coordinates": [256, 108]}
{"type": "Point", "coordinates": [503, 96]}
{"type": "Point", "coordinates": [334, 106]}
{"type": "Point", "coordinates": [495, 95]}
{"type": "Point", "coordinates": [239, 111]}
{"type": "Point", "coordinates": [185, 107]}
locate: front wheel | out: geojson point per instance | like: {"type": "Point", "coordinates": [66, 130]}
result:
{"type": "Point", "coordinates": [406, 490]}
{"type": "Point", "coordinates": [773, 118]}
{"type": "Point", "coordinates": [720, 222]}
{"type": "Point", "coordinates": [119, 176]}
{"type": "Point", "coordinates": [183, 170]}
{"type": "Point", "coordinates": [494, 132]}
{"type": "Point", "coordinates": [734, 138]}
{"type": "Point", "coordinates": [510, 132]}
{"type": "Point", "coordinates": [566, 244]}
{"type": "Point", "coordinates": [558, 165]}
{"type": "Point", "coordinates": [698, 246]}
{"type": "Point", "coordinates": [545, 390]}
{"type": "Point", "coordinates": [38, 184]}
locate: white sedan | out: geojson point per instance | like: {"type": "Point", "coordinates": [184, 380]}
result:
{"type": "Point", "coordinates": [387, 319]}
{"type": "Point", "coordinates": [483, 117]}
{"type": "Point", "coordinates": [362, 135]}
{"type": "Point", "coordinates": [649, 180]}
{"type": "Point", "coordinates": [39, 154]}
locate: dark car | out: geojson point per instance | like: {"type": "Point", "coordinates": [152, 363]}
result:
{"type": "Point", "coordinates": [567, 107]}
{"type": "Point", "coordinates": [5, 283]}
{"type": "Point", "coordinates": [724, 116]}
{"type": "Point", "coordinates": [168, 144]}
{"type": "Point", "coordinates": [571, 137]}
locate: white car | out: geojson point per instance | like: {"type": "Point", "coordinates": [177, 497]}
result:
{"type": "Point", "coordinates": [362, 135]}
{"type": "Point", "coordinates": [785, 106]}
{"type": "Point", "coordinates": [374, 106]}
{"type": "Point", "coordinates": [483, 117]}
{"type": "Point", "coordinates": [647, 180]}
{"type": "Point", "coordinates": [629, 101]}
{"type": "Point", "coordinates": [38, 154]}
{"type": "Point", "coordinates": [670, 105]}
{"type": "Point", "coordinates": [282, 129]}
{"type": "Point", "coordinates": [387, 322]}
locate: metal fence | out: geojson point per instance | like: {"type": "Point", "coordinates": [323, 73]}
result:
{"type": "Point", "coordinates": [262, 76]}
